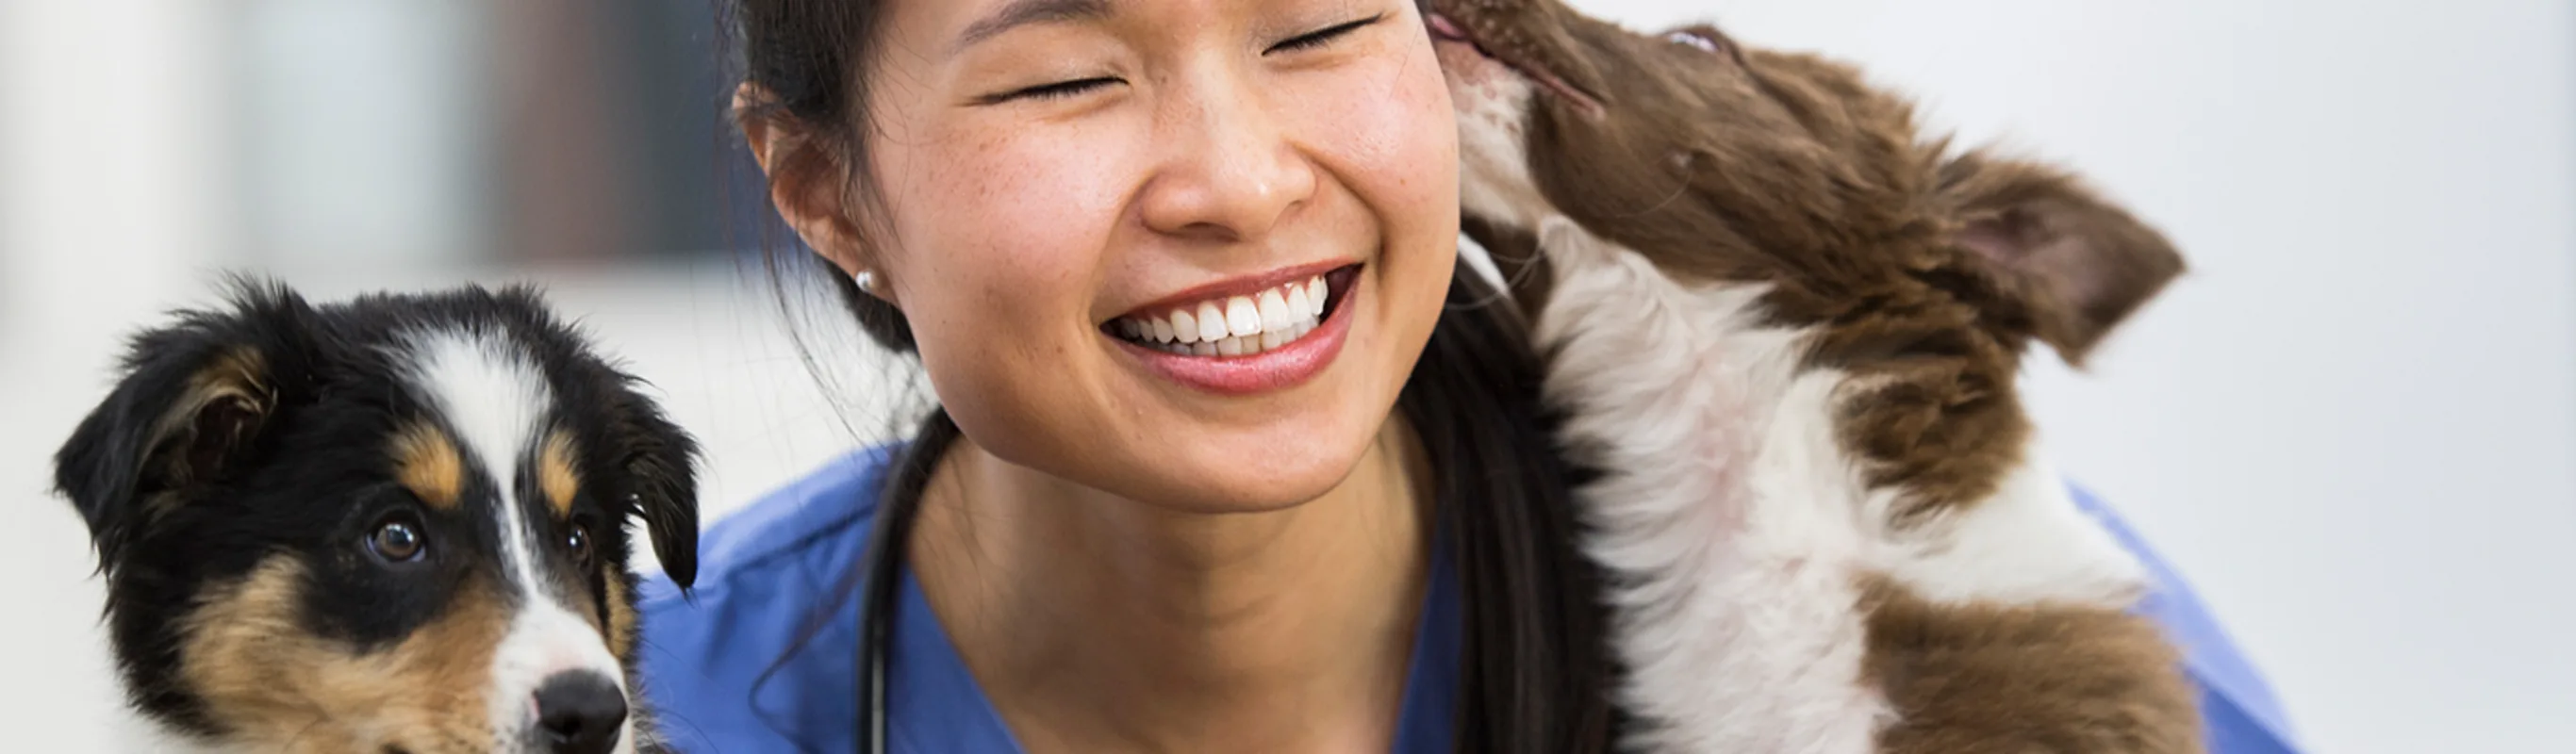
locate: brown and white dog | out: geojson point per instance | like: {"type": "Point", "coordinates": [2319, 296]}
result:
{"type": "Point", "coordinates": [1786, 327]}
{"type": "Point", "coordinates": [395, 525]}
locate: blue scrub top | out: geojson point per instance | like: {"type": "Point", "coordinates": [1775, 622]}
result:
{"type": "Point", "coordinates": [762, 655]}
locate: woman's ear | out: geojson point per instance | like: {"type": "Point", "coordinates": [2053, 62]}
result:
{"type": "Point", "coordinates": [805, 180]}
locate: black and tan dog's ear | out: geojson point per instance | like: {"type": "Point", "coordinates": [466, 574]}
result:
{"type": "Point", "coordinates": [2071, 264]}
{"type": "Point", "coordinates": [189, 408]}
{"type": "Point", "coordinates": [660, 461]}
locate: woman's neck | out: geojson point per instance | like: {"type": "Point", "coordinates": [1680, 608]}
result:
{"type": "Point", "coordinates": [1101, 624]}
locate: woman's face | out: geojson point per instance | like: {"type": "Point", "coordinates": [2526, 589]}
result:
{"type": "Point", "coordinates": [1110, 220]}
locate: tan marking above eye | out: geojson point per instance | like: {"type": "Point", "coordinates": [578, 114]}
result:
{"type": "Point", "coordinates": [557, 475]}
{"type": "Point", "coordinates": [427, 463]}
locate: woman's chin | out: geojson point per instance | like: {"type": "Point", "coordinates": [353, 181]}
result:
{"type": "Point", "coordinates": [1269, 479]}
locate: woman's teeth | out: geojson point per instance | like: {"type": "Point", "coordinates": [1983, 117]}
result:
{"type": "Point", "coordinates": [1235, 325]}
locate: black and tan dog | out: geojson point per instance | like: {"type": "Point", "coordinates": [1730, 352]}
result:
{"type": "Point", "coordinates": [395, 525]}
{"type": "Point", "coordinates": [1787, 327]}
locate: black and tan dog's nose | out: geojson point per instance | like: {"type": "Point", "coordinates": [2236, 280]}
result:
{"type": "Point", "coordinates": [579, 712]}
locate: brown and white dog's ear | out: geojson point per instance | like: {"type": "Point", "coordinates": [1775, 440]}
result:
{"type": "Point", "coordinates": [188, 410]}
{"type": "Point", "coordinates": [2071, 264]}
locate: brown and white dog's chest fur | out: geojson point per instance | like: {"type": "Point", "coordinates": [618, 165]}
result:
{"type": "Point", "coordinates": [1825, 525]}
{"type": "Point", "coordinates": [1746, 540]}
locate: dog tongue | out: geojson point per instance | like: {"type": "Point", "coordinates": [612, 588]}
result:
{"type": "Point", "coordinates": [1441, 25]}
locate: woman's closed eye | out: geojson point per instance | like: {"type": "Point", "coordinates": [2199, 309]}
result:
{"type": "Point", "coordinates": [1055, 90]}
{"type": "Point", "coordinates": [1077, 87]}
{"type": "Point", "coordinates": [1319, 38]}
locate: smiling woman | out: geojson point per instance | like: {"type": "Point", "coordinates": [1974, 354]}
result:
{"type": "Point", "coordinates": [1228, 453]}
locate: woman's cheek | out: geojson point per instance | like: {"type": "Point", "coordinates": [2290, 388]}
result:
{"type": "Point", "coordinates": [1398, 153]}
{"type": "Point", "coordinates": [1010, 234]}
{"type": "Point", "coordinates": [1022, 217]}
{"type": "Point", "coordinates": [1393, 127]}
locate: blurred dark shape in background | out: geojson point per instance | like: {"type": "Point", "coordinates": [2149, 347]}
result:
{"type": "Point", "coordinates": [615, 137]}
{"type": "Point", "coordinates": [496, 132]}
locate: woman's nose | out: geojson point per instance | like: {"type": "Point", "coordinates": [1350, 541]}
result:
{"type": "Point", "coordinates": [1228, 170]}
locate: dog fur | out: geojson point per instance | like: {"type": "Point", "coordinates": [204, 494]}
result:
{"type": "Point", "coordinates": [1786, 328]}
{"type": "Point", "coordinates": [385, 526]}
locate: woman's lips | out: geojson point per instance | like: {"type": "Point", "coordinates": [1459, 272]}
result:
{"type": "Point", "coordinates": [1242, 286]}
{"type": "Point", "coordinates": [1284, 351]}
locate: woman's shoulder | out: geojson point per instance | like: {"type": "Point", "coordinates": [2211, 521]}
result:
{"type": "Point", "coordinates": [788, 523]}
{"type": "Point", "coordinates": [2241, 712]}
{"type": "Point", "coordinates": [777, 581]}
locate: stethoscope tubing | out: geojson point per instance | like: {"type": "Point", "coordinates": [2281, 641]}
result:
{"type": "Point", "coordinates": [884, 562]}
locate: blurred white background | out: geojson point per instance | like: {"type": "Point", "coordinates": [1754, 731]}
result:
{"type": "Point", "coordinates": [2352, 427]}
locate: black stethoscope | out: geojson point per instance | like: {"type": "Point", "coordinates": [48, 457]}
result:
{"type": "Point", "coordinates": [884, 560]}
{"type": "Point", "coordinates": [884, 565]}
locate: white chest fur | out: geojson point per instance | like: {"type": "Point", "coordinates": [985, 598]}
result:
{"type": "Point", "coordinates": [1736, 527]}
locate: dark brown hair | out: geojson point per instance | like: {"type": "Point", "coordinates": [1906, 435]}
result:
{"type": "Point", "coordinates": [1535, 674]}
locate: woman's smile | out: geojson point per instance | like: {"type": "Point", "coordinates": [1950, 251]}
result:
{"type": "Point", "coordinates": [1248, 335]}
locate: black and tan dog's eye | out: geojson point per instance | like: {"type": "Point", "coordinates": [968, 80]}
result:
{"type": "Point", "coordinates": [397, 541]}
{"type": "Point", "coordinates": [578, 542]}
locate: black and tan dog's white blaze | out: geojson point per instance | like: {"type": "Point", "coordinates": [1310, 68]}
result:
{"type": "Point", "coordinates": [396, 525]}
{"type": "Point", "coordinates": [1786, 329]}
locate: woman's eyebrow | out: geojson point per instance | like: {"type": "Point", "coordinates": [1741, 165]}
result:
{"type": "Point", "coordinates": [1020, 13]}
